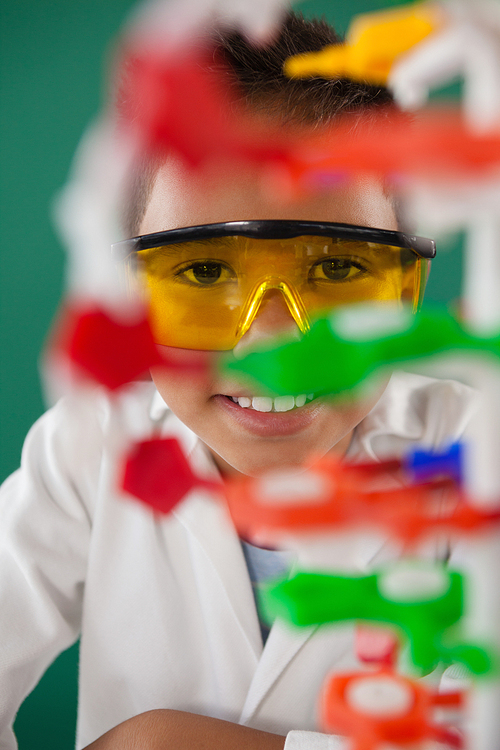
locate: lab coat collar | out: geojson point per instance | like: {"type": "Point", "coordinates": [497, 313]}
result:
{"type": "Point", "coordinates": [205, 517]}
{"type": "Point", "coordinates": [282, 645]}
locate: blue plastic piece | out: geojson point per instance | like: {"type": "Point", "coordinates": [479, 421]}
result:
{"type": "Point", "coordinates": [426, 465]}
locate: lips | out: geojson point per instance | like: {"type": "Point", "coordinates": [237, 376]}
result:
{"type": "Point", "coordinates": [270, 423]}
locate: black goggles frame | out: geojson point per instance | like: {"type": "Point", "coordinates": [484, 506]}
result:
{"type": "Point", "coordinates": [277, 229]}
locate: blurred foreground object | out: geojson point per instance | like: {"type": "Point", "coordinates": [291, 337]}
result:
{"type": "Point", "coordinates": [415, 48]}
{"type": "Point", "coordinates": [366, 339]}
{"type": "Point", "coordinates": [423, 600]}
{"type": "Point", "coordinates": [175, 101]}
{"type": "Point", "coordinates": [158, 473]}
{"type": "Point", "coordinates": [331, 496]}
{"type": "Point", "coordinates": [374, 43]}
{"type": "Point", "coordinates": [384, 707]}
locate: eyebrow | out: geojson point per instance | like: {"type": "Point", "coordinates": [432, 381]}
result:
{"type": "Point", "coordinates": [226, 240]}
{"type": "Point", "coordinates": [175, 247]}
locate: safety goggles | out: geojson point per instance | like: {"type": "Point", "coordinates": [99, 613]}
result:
{"type": "Point", "coordinates": [205, 284]}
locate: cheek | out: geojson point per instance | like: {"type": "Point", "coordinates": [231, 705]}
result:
{"type": "Point", "coordinates": [185, 381]}
{"type": "Point", "coordinates": [341, 419]}
{"type": "Point", "coordinates": [173, 388]}
{"type": "Point", "coordinates": [183, 394]}
{"type": "Point", "coordinates": [349, 413]}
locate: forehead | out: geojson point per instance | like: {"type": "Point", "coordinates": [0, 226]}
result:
{"type": "Point", "coordinates": [242, 192]}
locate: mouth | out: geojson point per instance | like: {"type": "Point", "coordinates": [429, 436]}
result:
{"type": "Point", "coordinates": [279, 404]}
{"type": "Point", "coordinates": [266, 417]}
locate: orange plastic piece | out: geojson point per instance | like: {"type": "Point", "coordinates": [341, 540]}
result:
{"type": "Point", "coordinates": [374, 43]}
{"type": "Point", "coordinates": [436, 144]}
{"type": "Point", "coordinates": [373, 708]}
{"type": "Point", "coordinates": [340, 497]}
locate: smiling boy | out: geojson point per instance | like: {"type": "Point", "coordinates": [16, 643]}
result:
{"type": "Point", "coordinates": [241, 438]}
{"type": "Point", "coordinates": [172, 653]}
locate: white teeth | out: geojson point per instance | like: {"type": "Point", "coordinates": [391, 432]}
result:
{"type": "Point", "coordinates": [284, 403]}
{"type": "Point", "coordinates": [262, 403]}
{"type": "Point", "coordinates": [266, 404]}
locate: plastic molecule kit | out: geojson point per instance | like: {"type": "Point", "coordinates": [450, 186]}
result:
{"type": "Point", "coordinates": [413, 615]}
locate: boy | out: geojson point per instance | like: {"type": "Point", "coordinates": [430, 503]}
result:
{"type": "Point", "coordinates": [171, 648]}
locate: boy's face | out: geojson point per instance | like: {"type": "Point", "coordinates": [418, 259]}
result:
{"type": "Point", "coordinates": [242, 439]}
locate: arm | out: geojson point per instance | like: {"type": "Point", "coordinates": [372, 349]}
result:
{"type": "Point", "coordinates": [165, 729]}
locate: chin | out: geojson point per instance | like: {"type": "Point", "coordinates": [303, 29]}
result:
{"type": "Point", "coordinates": [256, 460]}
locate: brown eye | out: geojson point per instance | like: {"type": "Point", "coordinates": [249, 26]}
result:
{"type": "Point", "coordinates": [337, 269]}
{"type": "Point", "coordinates": [206, 273]}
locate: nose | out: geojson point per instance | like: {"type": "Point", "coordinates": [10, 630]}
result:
{"type": "Point", "coordinates": [272, 319]}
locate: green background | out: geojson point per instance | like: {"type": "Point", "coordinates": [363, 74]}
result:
{"type": "Point", "coordinates": [53, 53]}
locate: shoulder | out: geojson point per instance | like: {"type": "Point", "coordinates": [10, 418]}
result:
{"type": "Point", "coordinates": [413, 409]}
{"type": "Point", "coordinates": [91, 415]}
{"type": "Point", "coordinates": [66, 449]}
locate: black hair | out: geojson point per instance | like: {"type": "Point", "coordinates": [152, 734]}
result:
{"type": "Point", "coordinates": [256, 79]}
{"type": "Point", "coordinates": [258, 75]}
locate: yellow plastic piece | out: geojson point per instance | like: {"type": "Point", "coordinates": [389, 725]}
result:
{"type": "Point", "coordinates": [374, 43]}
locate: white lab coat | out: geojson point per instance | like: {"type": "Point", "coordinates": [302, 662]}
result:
{"type": "Point", "coordinates": [163, 604]}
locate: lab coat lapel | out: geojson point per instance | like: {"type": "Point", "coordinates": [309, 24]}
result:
{"type": "Point", "coordinates": [222, 564]}
{"type": "Point", "coordinates": [282, 645]}
{"type": "Point", "coordinates": [221, 560]}
{"type": "Point", "coordinates": [210, 525]}
{"type": "Point", "coordinates": [283, 642]}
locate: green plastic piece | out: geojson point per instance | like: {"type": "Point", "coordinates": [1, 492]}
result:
{"type": "Point", "coordinates": [316, 598]}
{"type": "Point", "coordinates": [329, 360]}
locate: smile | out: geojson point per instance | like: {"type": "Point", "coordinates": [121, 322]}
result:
{"type": "Point", "coordinates": [267, 404]}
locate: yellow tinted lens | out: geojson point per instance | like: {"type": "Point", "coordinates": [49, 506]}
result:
{"type": "Point", "coordinates": [205, 294]}
{"type": "Point", "coordinates": [350, 272]}
{"type": "Point", "coordinates": [194, 294]}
